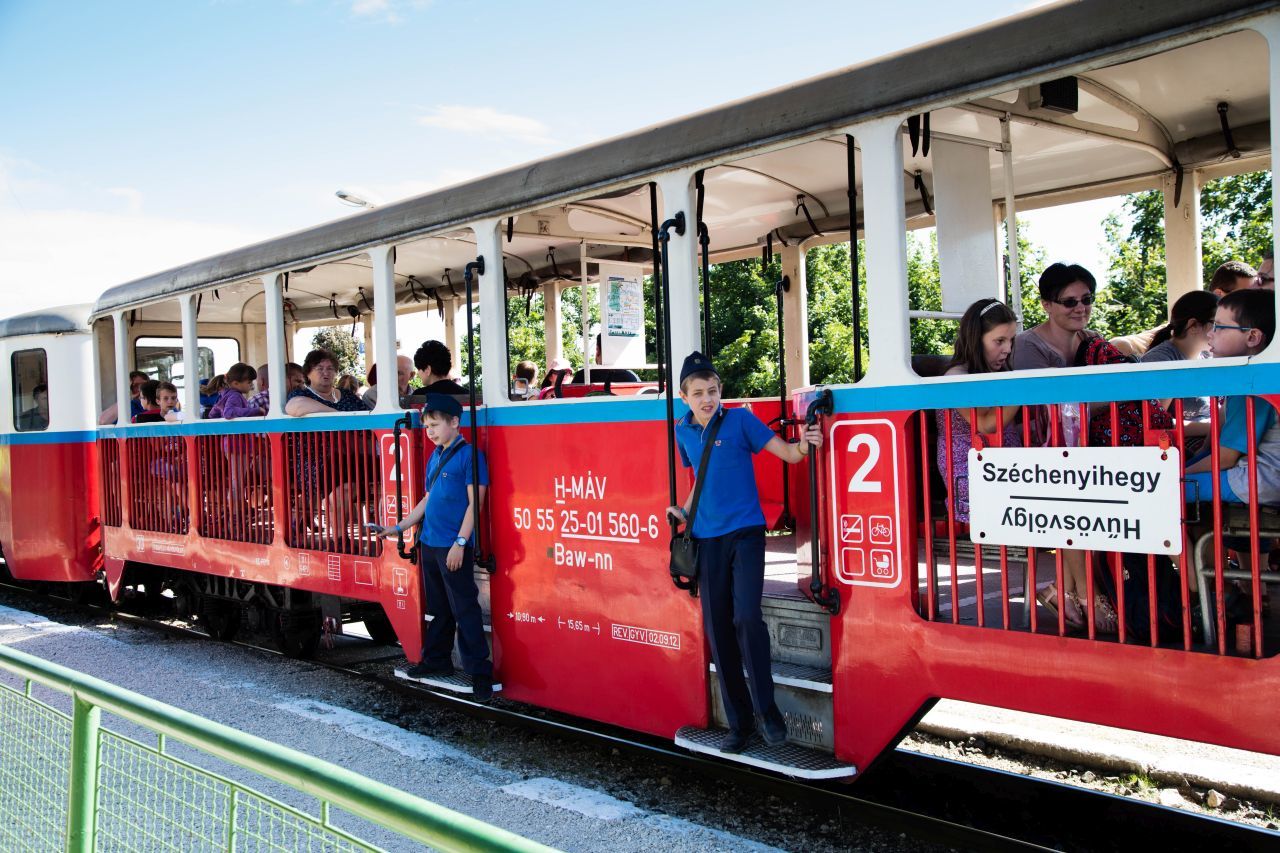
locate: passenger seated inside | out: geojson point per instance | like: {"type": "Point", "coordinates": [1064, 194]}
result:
{"type": "Point", "coordinates": [231, 403]}
{"type": "Point", "coordinates": [37, 417]}
{"type": "Point", "coordinates": [434, 362]}
{"type": "Point", "coordinates": [295, 378]}
{"type": "Point", "coordinates": [1243, 326]}
{"type": "Point", "coordinates": [1233, 276]}
{"type": "Point", "coordinates": [605, 374]}
{"type": "Point", "coordinates": [524, 383]}
{"type": "Point", "coordinates": [983, 345]}
{"type": "Point", "coordinates": [558, 373]}
{"type": "Point", "coordinates": [1266, 271]}
{"type": "Point", "coordinates": [321, 395]}
{"type": "Point", "coordinates": [151, 413]}
{"type": "Point", "coordinates": [404, 372]}
{"type": "Point", "coordinates": [111, 413]}
{"type": "Point", "coordinates": [1186, 338]}
{"type": "Point", "coordinates": [262, 399]}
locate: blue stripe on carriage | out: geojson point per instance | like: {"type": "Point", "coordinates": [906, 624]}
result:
{"type": "Point", "coordinates": [58, 437]}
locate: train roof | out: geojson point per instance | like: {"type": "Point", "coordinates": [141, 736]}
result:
{"type": "Point", "coordinates": [1035, 42]}
{"type": "Point", "coordinates": [48, 321]}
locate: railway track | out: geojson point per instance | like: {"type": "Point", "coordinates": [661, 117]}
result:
{"type": "Point", "coordinates": [930, 799]}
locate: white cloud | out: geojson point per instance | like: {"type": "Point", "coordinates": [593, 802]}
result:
{"type": "Point", "coordinates": [131, 196]}
{"type": "Point", "coordinates": [486, 121]}
{"type": "Point", "coordinates": [369, 7]}
{"type": "Point", "coordinates": [61, 257]}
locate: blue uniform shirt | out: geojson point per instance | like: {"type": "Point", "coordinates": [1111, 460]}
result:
{"type": "Point", "coordinates": [447, 500]}
{"type": "Point", "coordinates": [730, 500]}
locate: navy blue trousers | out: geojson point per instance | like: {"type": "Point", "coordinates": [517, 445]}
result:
{"type": "Point", "coordinates": [453, 601]}
{"type": "Point", "coordinates": [731, 583]}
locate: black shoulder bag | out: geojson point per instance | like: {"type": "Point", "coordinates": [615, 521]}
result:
{"type": "Point", "coordinates": [684, 551]}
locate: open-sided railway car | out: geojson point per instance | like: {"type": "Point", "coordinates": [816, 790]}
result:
{"type": "Point", "coordinates": [878, 601]}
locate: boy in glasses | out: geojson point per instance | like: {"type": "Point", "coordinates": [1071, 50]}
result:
{"type": "Point", "coordinates": [1243, 326]}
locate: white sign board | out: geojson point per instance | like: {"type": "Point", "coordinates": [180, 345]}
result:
{"type": "Point", "coordinates": [622, 315]}
{"type": "Point", "coordinates": [1125, 499]}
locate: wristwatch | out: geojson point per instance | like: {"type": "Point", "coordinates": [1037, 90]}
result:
{"type": "Point", "coordinates": [461, 542]}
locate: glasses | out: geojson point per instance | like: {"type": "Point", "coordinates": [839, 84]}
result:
{"type": "Point", "coordinates": [1072, 302]}
{"type": "Point", "coordinates": [1266, 279]}
{"type": "Point", "coordinates": [1219, 327]}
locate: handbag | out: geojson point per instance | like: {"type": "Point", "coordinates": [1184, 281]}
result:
{"type": "Point", "coordinates": [684, 550]}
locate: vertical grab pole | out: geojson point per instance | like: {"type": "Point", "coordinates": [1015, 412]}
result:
{"type": "Point", "coordinates": [852, 170]}
{"type": "Point", "coordinates": [1011, 220]}
{"type": "Point", "coordinates": [664, 238]}
{"type": "Point", "coordinates": [784, 284]}
{"type": "Point", "coordinates": [828, 598]}
{"type": "Point", "coordinates": [82, 792]}
{"type": "Point", "coordinates": [468, 277]}
{"type": "Point", "coordinates": [704, 242]}
{"type": "Point", "coordinates": [662, 341]}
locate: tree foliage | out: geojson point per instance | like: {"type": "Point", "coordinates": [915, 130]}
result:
{"type": "Point", "coordinates": [1235, 224]}
{"type": "Point", "coordinates": [342, 344]}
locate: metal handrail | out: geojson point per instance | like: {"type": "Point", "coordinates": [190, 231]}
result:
{"type": "Point", "coordinates": [411, 816]}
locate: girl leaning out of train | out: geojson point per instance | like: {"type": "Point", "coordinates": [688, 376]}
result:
{"type": "Point", "coordinates": [983, 345]}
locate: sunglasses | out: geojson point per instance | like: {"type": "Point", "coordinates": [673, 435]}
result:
{"type": "Point", "coordinates": [1071, 302]}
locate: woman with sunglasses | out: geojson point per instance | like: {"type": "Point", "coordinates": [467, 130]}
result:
{"type": "Point", "coordinates": [1066, 292]}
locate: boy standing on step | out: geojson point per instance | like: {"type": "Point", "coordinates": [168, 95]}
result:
{"type": "Point", "coordinates": [446, 550]}
{"type": "Point", "coordinates": [728, 526]}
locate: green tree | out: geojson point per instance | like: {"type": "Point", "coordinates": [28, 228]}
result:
{"type": "Point", "coordinates": [342, 344]}
{"type": "Point", "coordinates": [1235, 223]}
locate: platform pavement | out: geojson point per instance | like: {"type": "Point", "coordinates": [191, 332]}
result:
{"type": "Point", "coordinates": [1170, 761]}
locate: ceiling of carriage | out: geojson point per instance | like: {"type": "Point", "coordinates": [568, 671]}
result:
{"type": "Point", "coordinates": [1135, 120]}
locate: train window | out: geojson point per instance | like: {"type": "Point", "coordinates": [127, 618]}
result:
{"type": "Point", "coordinates": [161, 358]}
{"type": "Point", "coordinates": [783, 309]}
{"type": "Point", "coordinates": [30, 391]}
{"type": "Point", "coordinates": [581, 310]}
{"type": "Point", "coordinates": [1150, 175]}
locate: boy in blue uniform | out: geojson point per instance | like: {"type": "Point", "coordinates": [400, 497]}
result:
{"type": "Point", "coordinates": [729, 528]}
{"type": "Point", "coordinates": [446, 552]}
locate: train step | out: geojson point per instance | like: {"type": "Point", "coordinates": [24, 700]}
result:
{"type": "Point", "coordinates": [456, 683]}
{"type": "Point", "coordinates": [789, 759]}
{"type": "Point", "coordinates": [817, 679]}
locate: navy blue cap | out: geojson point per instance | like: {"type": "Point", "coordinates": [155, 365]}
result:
{"type": "Point", "coordinates": [444, 404]}
{"type": "Point", "coordinates": [696, 363]}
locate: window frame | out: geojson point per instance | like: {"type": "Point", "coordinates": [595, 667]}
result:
{"type": "Point", "coordinates": [16, 394]}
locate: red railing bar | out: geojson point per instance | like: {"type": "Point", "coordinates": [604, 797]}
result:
{"type": "Point", "coordinates": [1254, 545]}
{"type": "Point", "coordinates": [1217, 528]}
{"type": "Point", "coordinates": [951, 521]}
{"type": "Point", "coordinates": [926, 466]}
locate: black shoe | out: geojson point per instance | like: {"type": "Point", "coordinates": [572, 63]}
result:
{"type": "Point", "coordinates": [734, 742]}
{"type": "Point", "coordinates": [774, 728]}
{"type": "Point", "coordinates": [427, 670]}
{"type": "Point", "coordinates": [482, 687]}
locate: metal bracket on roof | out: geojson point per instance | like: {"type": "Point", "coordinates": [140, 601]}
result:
{"type": "Point", "coordinates": [918, 131]}
{"type": "Point", "coordinates": [449, 281]}
{"type": "Point", "coordinates": [413, 289]}
{"type": "Point", "coordinates": [918, 181]}
{"type": "Point", "coordinates": [1227, 137]}
{"type": "Point", "coordinates": [511, 227]}
{"type": "Point", "coordinates": [364, 298]}
{"type": "Point", "coordinates": [801, 207]}
{"type": "Point", "coordinates": [333, 305]}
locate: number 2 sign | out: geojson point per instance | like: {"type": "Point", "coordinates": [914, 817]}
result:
{"type": "Point", "coordinates": [865, 491]}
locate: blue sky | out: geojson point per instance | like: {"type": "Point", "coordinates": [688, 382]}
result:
{"type": "Point", "coordinates": [138, 135]}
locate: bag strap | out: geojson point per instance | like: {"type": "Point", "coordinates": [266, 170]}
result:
{"type": "Point", "coordinates": [708, 443]}
{"type": "Point", "coordinates": [444, 460]}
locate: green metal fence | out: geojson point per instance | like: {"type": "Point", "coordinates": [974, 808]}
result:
{"type": "Point", "coordinates": [68, 782]}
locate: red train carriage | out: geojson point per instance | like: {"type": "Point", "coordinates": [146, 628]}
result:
{"type": "Point", "coordinates": [878, 600]}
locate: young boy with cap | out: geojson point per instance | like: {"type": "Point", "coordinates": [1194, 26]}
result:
{"type": "Point", "coordinates": [446, 552]}
{"type": "Point", "coordinates": [729, 528]}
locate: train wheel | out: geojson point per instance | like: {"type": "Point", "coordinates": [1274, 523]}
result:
{"type": "Point", "coordinates": [379, 627]}
{"type": "Point", "coordinates": [85, 592]}
{"type": "Point", "coordinates": [221, 618]}
{"type": "Point", "coordinates": [297, 635]}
